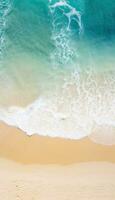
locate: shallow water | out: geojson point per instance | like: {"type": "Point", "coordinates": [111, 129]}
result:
{"type": "Point", "coordinates": [57, 67]}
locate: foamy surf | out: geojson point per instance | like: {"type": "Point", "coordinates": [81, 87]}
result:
{"type": "Point", "coordinates": [5, 8]}
{"type": "Point", "coordinates": [42, 118]}
{"type": "Point", "coordinates": [61, 32]}
{"type": "Point", "coordinates": [77, 110]}
{"type": "Point", "coordinates": [60, 53]}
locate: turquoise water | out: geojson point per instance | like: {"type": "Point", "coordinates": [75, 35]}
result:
{"type": "Point", "coordinates": [57, 67]}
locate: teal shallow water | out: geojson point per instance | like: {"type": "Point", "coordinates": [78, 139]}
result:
{"type": "Point", "coordinates": [57, 61]}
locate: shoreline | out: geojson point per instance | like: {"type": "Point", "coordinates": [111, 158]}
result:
{"type": "Point", "coordinates": [17, 146]}
{"type": "Point", "coordinates": [37, 167]}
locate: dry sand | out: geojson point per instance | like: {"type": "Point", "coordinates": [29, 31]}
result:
{"type": "Point", "coordinates": [88, 181]}
{"type": "Point", "coordinates": [43, 168]}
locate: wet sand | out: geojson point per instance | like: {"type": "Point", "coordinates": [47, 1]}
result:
{"type": "Point", "coordinates": [16, 145]}
{"type": "Point", "coordinates": [44, 168]}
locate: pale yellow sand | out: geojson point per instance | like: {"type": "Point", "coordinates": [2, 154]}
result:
{"type": "Point", "coordinates": [35, 168]}
{"type": "Point", "coordinates": [17, 146]}
{"type": "Point", "coordinates": [88, 181]}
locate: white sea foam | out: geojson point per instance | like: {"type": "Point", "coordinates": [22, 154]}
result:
{"type": "Point", "coordinates": [81, 108]}
{"type": "Point", "coordinates": [61, 31]}
{"type": "Point", "coordinates": [42, 118]}
{"type": "Point", "coordinates": [5, 8]}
